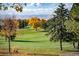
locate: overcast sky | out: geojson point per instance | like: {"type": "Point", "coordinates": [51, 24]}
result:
{"type": "Point", "coordinates": [42, 10]}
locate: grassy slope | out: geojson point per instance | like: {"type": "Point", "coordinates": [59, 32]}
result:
{"type": "Point", "coordinates": [28, 40]}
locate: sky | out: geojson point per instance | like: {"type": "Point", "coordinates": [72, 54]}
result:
{"type": "Point", "coordinates": [40, 10]}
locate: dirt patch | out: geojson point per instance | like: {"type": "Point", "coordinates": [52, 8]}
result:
{"type": "Point", "coordinates": [33, 54]}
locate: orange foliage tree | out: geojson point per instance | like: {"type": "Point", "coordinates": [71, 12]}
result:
{"type": "Point", "coordinates": [34, 22]}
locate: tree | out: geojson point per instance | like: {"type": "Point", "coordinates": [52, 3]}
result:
{"type": "Point", "coordinates": [22, 23]}
{"type": "Point", "coordinates": [2, 7]}
{"type": "Point", "coordinates": [74, 13]}
{"type": "Point", "coordinates": [9, 25]}
{"type": "Point", "coordinates": [17, 6]}
{"type": "Point", "coordinates": [9, 28]}
{"type": "Point", "coordinates": [72, 26]}
{"type": "Point", "coordinates": [44, 24]}
{"type": "Point", "coordinates": [34, 22]}
{"type": "Point", "coordinates": [57, 29]}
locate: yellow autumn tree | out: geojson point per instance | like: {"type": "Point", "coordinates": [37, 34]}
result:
{"type": "Point", "coordinates": [34, 22]}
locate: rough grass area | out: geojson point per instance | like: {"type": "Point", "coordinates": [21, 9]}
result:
{"type": "Point", "coordinates": [31, 42]}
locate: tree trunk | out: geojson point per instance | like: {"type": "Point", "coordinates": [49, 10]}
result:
{"type": "Point", "coordinates": [36, 29]}
{"type": "Point", "coordinates": [9, 45]}
{"type": "Point", "coordinates": [61, 44]}
{"type": "Point", "coordinates": [73, 44]}
{"type": "Point", "coordinates": [6, 38]}
{"type": "Point", "coordinates": [78, 44]}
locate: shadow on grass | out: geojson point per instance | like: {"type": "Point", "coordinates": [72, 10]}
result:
{"type": "Point", "coordinates": [43, 31]}
{"type": "Point", "coordinates": [75, 50]}
{"type": "Point", "coordinates": [24, 41]}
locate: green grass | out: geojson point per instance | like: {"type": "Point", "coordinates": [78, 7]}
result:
{"type": "Point", "coordinates": [31, 41]}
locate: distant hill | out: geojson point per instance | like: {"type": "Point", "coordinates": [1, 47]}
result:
{"type": "Point", "coordinates": [25, 16]}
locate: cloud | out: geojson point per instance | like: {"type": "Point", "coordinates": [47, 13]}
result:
{"type": "Point", "coordinates": [34, 9]}
{"type": "Point", "coordinates": [35, 4]}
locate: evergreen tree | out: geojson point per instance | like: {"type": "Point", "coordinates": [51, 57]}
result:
{"type": "Point", "coordinates": [57, 29]}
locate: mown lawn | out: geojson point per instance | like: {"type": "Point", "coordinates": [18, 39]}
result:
{"type": "Point", "coordinates": [31, 41]}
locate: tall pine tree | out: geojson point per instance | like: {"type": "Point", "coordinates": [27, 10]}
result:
{"type": "Point", "coordinates": [58, 28]}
